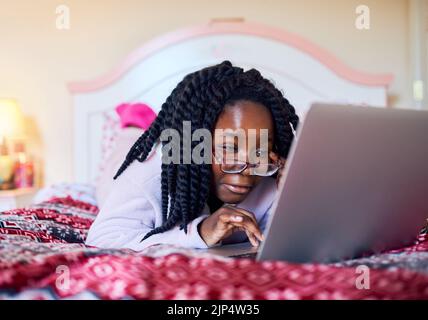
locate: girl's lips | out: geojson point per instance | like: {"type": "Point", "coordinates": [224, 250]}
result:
{"type": "Point", "coordinates": [237, 189]}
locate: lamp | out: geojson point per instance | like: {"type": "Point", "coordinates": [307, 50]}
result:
{"type": "Point", "coordinates": [11, 127]}
{"type": "Point", "coordinates": [11, 119]}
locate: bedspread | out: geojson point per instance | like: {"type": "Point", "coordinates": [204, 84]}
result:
{"type": "Point", "coordinates": [43, 256]}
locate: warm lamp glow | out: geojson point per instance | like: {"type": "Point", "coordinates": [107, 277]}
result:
{"type": "Point", "coordinates": [11, 119]}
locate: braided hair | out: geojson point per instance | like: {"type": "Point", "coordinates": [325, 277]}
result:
{"type": "Point", "coordinates": [200, 98]}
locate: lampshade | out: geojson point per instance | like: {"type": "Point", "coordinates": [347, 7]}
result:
{"type": "Point", "coordinates": [11, 119]}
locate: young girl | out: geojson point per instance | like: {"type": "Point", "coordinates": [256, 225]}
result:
{"type": "Point", "coordinates": [201, 205]}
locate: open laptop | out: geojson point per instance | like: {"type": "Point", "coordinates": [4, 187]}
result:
{"type": "Point", "coordinates": [356, 182]}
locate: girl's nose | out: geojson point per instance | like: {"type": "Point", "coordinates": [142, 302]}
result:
{"type": "Point", "coordinates": [246, 172]}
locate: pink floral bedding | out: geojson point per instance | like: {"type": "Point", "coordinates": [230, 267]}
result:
{"type": "Point", "coordinates": [42, 256]}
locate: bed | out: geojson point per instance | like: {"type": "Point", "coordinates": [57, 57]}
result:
{"type": "Point", "coordinates": [42, 251]}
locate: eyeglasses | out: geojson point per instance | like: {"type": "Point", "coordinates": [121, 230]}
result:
{"type": "Point", "coordinates": [258, 169]}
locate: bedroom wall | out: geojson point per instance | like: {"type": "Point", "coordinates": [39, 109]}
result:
{"type": "Point", "coordinates": [37, 60]}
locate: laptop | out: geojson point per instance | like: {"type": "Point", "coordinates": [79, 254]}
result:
{"type": "Point", "coordinates": [356, 182]}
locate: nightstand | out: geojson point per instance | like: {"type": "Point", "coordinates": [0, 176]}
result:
{"type": "Point", "coordinates": [17, 198]}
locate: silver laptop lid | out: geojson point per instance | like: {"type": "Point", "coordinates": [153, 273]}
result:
{"type": "Point", "coordinates": [356, 180]}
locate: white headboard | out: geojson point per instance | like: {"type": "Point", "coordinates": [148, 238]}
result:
{"type": "Point", "coordinates": [304, 72]}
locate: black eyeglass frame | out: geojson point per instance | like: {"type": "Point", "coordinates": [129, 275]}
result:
{"type": "Point", "coordinates": [277, 165]}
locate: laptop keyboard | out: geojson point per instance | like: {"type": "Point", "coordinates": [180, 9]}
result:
{"type": "Point", "coordinates": [251, 255]}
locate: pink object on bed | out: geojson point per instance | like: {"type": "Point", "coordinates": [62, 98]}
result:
{"type": "Point", "coordinates": [138, 115]}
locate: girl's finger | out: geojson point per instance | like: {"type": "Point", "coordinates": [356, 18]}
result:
{"type": "Point", "coordinates": [249, 226]}
{"type": "Point", "coordinates": [252, 239]}
{"type": "Point", "coordinates": [237, 218]}
{"type": "Point", "coordinates": [253, 227]}
{"type": "Point", "coordinates": [242, 221]}
{"type": "Point", "coordinates": [244, 212]}
{"type": "Point", "coordinates": [227, 218]}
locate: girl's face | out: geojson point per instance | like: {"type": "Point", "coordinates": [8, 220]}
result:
{"type": "Point", "coordinates": [243, 115]}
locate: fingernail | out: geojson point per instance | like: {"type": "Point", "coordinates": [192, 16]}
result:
{"type": "Point", "coordinates": [237, 218]}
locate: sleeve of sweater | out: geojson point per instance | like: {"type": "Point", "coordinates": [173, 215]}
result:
{"type": "Point", "coordinates": [130, 212]}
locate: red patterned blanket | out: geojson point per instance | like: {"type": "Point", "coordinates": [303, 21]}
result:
{"type": "Point", "coordinates": [42, 256]}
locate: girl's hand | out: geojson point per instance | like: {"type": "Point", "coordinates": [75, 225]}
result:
{"type": "Point", "coordinates": [281, 162]}
{"type": "Point", "coordinates": [227, 220]}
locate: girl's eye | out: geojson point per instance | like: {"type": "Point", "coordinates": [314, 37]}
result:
{"type": "Point", "coordinates": [230, 148]}
{"type": "Point", "coordinates": [261, 153]}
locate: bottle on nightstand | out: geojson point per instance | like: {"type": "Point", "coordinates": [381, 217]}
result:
{"type": "Point", "coordinates": [24, 168]}
{"type": "Point", "coordinates": [6, 168]}
{"type": "Point", "coordinates": [17, 187]}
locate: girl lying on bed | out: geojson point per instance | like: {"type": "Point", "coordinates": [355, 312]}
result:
{"type": "Point", "coordinates": [209, 204]}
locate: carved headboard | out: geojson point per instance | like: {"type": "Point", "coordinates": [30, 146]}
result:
{"type": "Point", "coordinates": [304, 72]}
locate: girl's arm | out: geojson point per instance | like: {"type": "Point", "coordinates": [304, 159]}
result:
{"type": "Point", "coordinates": [129, 213]}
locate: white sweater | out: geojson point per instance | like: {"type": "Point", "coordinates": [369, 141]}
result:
{"type": "Point", "coordinates": [133, 207]}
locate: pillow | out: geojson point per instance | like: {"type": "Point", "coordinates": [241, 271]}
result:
{"type": "Point", "coordinates": [124, 141]}
{"type": "Point", "coordinates": [78, 191]}
{"type": "Point", "coordinates": [123, 131]}
{"type": "Point", "coordinates": [138, 115]}
{"type": "Point", "coordinates": [110, 130]}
